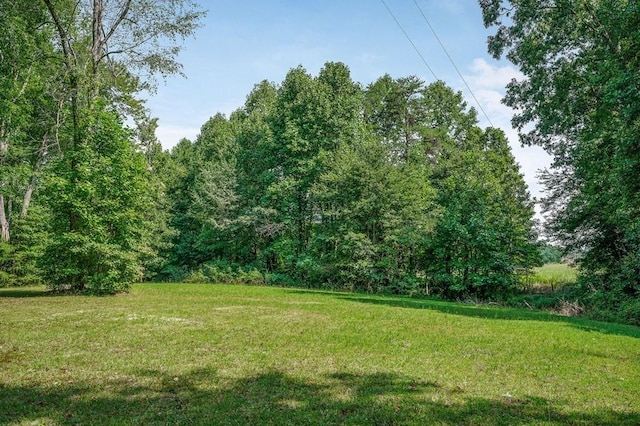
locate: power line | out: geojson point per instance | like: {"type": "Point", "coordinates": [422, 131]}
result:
{"type": "Point", "coordinates": [450, 59]}
{"type": "Point", "coordinates": [409, 38]}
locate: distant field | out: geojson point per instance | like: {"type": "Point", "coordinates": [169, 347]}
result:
{"type": "Point", "coordinates": [551, 276]}
{"type": "Point", "coordinates": [560, 271]}
{"type": "Point", "coordinates": [213, 354]}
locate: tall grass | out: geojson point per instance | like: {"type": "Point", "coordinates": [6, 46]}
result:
{"type": "Point", "coordinates": [550, 277]}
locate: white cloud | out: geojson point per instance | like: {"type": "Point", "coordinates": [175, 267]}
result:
{"type": "Point", "coordinates": [170, 135]}
{"type": "Point", "coordinates": [488, 81]}
{"type": "Point", "coordinates": [487, 75]}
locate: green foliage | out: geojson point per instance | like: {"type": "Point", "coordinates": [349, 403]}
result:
{"type": "Point", "coordinates": [580, 93]}
{"type": "Point", "coordinates": [316, 179]}
{"type": "Point", "coordinates": [630, 311]}
{"type": "Point", "coordinates": [17, 266]}
{"type": "Point", "coordinates": [221, 272]}
{"type": "Point", "coordinates": [484, 236]}
{"type": "Point", "coordinates": [28, 98]}
{"type": "Point", "coordinates": [320, 183]}
{"type": "Point", "coordinates": [550, 253]}
{"type": "Point", "coordinates": [19, 259]}
{"type": "Point", "coordinates": [605, 301]}
{"type": "Point", "coordinates": [6, 260]}
{"type": "Point", "coordinates": [65, 160]}
{"type": "Point", "coordinates": [82, 264]}
{"type": "Point", "coordinates": [366, 209]}
{"type": "Point", "coordinates": [98, 195]}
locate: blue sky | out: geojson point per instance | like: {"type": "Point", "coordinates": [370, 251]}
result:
{"type": "Point", "coordinates": [244, 42]}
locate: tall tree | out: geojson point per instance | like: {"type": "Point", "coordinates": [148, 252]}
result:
{"type": "Point", "coordinates": [98, 211]}
{"type": "Point", "coordinates": [484, 236]}
{"type": "Point", "coordinates": [178, 177]}
{"type": "Point", "coordinates": [108, 51]}
{"type": "Point", "coordinates": [114, 48]}
{"type": "Point", "coordinates": [30, 114]}
{"type": "Point", "coordinates": [258, 224]}
{"type": "Point", "coordinates": [465, 221]}
{"type": "Point", "coordinates": [396, 112]}
{"type": "Point", "coordinates": [314, 117]}
{"type": "Point", "coordinates": [581, 95]}
{"type": "Point", "coordinates": [214, 202]}
{"type": "Point", "coordinates": [28, 107]}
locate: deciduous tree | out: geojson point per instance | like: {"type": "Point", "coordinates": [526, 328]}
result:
{"type": "Point", "coordinates": [580, 95]}
{"type": "Point", "coordinates": [108, 51]}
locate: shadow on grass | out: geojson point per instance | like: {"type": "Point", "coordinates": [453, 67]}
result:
{"type": "Point", "coordinates": [499, 313]}
{"type": "Point", "coordinates": [24, 292]}
{"type": "Point", "coordinates": [273, 397]}
{"type": "Point", "coordinates": [485, 312]}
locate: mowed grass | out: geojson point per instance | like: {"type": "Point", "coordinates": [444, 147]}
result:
{"type": "Point", "coordinates": [213, 354]}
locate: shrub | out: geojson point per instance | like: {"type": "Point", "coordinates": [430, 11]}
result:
{"type": "Point", "coordinates": [75, 262]}
{"type": "Point", "coordinates": [630, 311]}
{"type": "Point", "coordinates": [409, 285]}
{"type": "Point", "coordinates": [220, 272]}
{"type": "Point", "coordinates": [280, 280]}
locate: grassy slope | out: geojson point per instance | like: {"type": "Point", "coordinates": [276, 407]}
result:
{"type": "Point", "coordinates": [202, 354]}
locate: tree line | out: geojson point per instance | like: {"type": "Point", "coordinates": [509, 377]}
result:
{"type": "Point", "coordinates": [316, 180]}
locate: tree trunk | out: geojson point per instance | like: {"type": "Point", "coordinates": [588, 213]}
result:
{"type": "Point", "coordinates": [42, 154]}
{"type": "Point", "coordinates": [4, 222]}
{"type": "Point", "coordinates": [26, 201]}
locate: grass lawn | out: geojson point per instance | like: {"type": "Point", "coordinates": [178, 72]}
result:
{"type": "Point", "coordinates": [213, 354]}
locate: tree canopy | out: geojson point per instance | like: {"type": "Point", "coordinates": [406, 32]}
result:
{"type": "Point", "coordinates": [316, 181]}
{"type": "Point", "coordinates": [71, 74]}
{"type": "Point", "coordinates": [321, 182]}
{"type": "Point", "coordinates": [580, 100]}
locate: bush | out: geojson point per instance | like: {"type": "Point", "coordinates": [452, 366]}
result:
{"type": "Point", "coordinates": [6, 263]}
{"type": "Point", "coordinates": [280, 280]}
{"type": "Point", "coordinates": [18, 266]}
{"type": "Point", "coordinates": [196, 277]}
{"type": "Point", "coordinates": [608, 307]}
{"type": "Point", "coordinates": [172, 273]}
{"type": "Point", "coordinates": [75, 262]}
{"type": "Point", "coordinates": [307, 270]}
{"type": "Point", "coordinates": [252, 277]}
{"type": "Point", "coordinates": [630, 311]}
{"type": "Point", "coordinates": [409, 285]}
{"type": "Point", "coordinates": [220, 272]}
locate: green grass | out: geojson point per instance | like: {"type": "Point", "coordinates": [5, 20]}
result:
{"type": "Point", "coordinates": [551, 276]}
{"type": "Point", "coordinates": [213, 354]}
{"type": "Point", "coordinates": [560, 271]}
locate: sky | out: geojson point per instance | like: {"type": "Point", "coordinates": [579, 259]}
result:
{"type": "Point", "coordinates": [244, 42]}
